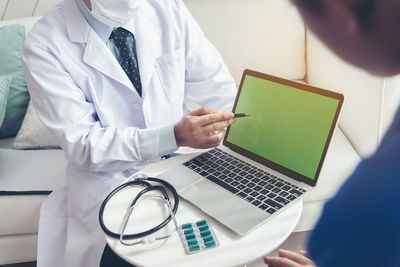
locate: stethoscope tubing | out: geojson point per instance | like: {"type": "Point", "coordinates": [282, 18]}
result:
{"type": "Point", "coordinates": [149, 187]}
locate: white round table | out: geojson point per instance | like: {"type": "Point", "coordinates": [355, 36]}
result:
{"type": "Point", "coordinates": [233, 250]}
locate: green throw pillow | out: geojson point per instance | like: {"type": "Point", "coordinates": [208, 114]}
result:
{"type": "Point", "coordinates": [11, 39]}
{"type": "Point", "coordinates": [4, 86]}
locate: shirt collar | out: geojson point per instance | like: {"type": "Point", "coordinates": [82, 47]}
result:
{"type": "Point", "coordinates": [102, 30]}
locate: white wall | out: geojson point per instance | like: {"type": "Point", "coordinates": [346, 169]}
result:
{"type": "Point", "coordinates": [240, 29]}
{"type": "Point", "coordinates": [13, 9]}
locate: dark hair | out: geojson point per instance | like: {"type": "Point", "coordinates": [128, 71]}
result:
{"type": "Point", "coordinates": [314, 6]}
{"type": "Point", "coordinates": [365, 12]}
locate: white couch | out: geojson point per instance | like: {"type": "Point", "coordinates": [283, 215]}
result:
{"type": "Point", "coordinates": [264, 35]}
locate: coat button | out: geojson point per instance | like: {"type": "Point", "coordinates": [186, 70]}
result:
{"type": "Point", "coordinates": [136, 106]}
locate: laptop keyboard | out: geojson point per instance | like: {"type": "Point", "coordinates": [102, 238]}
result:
{"type": "Point", "coordinates": [260, 188]}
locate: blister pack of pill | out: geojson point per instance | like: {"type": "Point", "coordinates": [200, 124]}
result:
{"type": "Point", "coordinates": [198, 236]}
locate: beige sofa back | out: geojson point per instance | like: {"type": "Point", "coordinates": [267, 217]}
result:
{"type": "Point", "coordinates": [370, 102]}
{"type": "Point", "coordinates": [264, 35]}
{"type": "Point", "coordinates": [269, 36]}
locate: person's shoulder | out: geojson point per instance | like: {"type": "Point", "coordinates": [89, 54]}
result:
{"type": "Point", "coordinates": [376, 175]}
{"type": "Point", "coordinates": [384, 160]}
{"type": "Point", "coordinates": [49, 26]}
{"type": "Point", "coordinates": [365, 213]}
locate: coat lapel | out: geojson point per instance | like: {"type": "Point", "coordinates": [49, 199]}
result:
{"type": "Point", "coordinates": [147, 33]}
{"type": "Point", "coordinates": [97, 54]}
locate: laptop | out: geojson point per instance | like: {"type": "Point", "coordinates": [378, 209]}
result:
{"type": "Point", "coordinates": [268, 160]}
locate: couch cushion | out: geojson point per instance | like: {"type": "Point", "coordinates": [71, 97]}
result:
{"type": "Point", "coordinates": [264, 35]}
{"type": "Point", "coordinates": [361, 115]}
{"type": "Point", "coordinates": [5, 82]}
{"type": "Point", "coordinates": [21, 171]}
{"type": "Point", "coordinates": [22, 214]}
{"type": "Point", "coordinates": [7, 142]}
{"type": "Point", "coordinates": [11, 39]}
{"type": "Point", "coordinates": [18, 248]}
{"type": "Point", "coordinates": [391, 101]}
{"type": "Point", "coordinates": [33, 134]}
{"type": "Point", "coordinates": [31, 170]}
{"type": "Point", "coordinates": [28, 24]}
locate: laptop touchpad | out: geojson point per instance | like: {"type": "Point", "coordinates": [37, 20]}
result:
{"type": "Point", "coordinates": [235, 213]}
{"type": "Point", "coordinates": [180, 177]}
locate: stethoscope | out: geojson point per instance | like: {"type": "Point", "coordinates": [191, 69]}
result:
{"type": "Point", "coordinates": [143, 237]}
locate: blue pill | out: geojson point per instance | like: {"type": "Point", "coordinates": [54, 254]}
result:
{"type": "Point", "coordinates": [204, 227]}
{"type": "Point", "coordinates": [186, 225]}
{"type": "Point", "coordinates": [194, 247]}
{"type": "Point", "coordinates": [190, 236]}
{"type": "Point", "coordinates": [208, 238]}
{"type": "Point", "coordinates": [202, 222]}
{"type": "Point", "coordinates": [188, 231]}
{"type": "Point", "coordinates": [192, 242]}
{"type": "Point", "coordinates": [210, 243]}
{"type": "Point", "coordinates": [205, 233]}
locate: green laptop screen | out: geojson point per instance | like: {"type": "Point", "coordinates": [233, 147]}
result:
{"type": "Point", "coordinates": [288, 126]}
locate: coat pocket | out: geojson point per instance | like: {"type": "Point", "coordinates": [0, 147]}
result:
{"type": "Point", "coordinates": [171, 73]}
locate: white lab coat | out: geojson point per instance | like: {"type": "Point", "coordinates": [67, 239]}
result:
{"type": "Point", "coordinates": [92, 109]}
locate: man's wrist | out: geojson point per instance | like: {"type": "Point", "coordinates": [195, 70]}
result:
{"type": "Point", "coordinates": [166, 140]}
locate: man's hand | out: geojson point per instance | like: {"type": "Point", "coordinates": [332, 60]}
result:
{"type": "Point", "coordinates": [290, 259]}
{"type": "Point", "coordinates": [202, 128]}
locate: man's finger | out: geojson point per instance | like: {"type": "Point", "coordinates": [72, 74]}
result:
{"type": "Point", "coordinates": [214, 140]}
{"type": "Point", "coordinates": [296, 257]}
{"type": "Point", "coordinates": [218, 126]}
{"type": "Point", "coordinates": [215, 117]}
{"type": "Point", "coordinates": [304, 253]}
{"type": "Point", "coordinates": [202, 111]}
{"type": "Point", "coordinates": [280, 262]}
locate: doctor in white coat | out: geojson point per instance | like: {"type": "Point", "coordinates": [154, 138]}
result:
{"type": "Point", "coordinates": [107, 129]}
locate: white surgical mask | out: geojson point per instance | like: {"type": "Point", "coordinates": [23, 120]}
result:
{"type": "Point", "coordinates": [115, 13]}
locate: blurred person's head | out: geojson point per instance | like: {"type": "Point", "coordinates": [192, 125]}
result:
{"type": "Point", "coordinates": [365, 33]}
